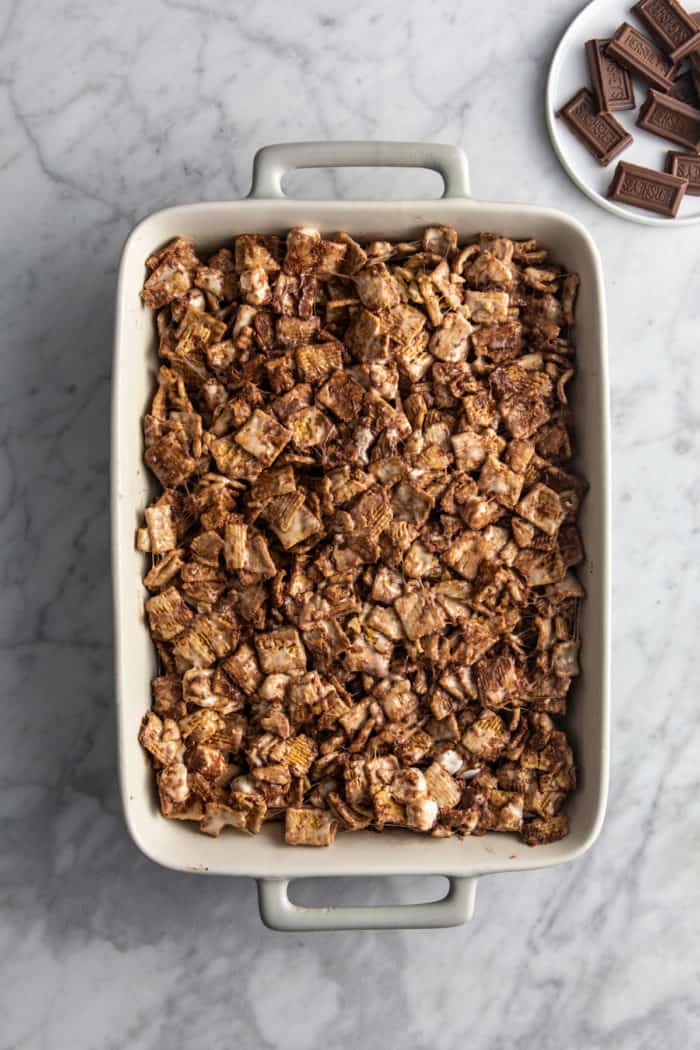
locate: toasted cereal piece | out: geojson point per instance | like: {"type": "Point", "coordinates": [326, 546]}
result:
{"type": "Point", "coordinates": [420, 562]}
{"type": "Point", "coordinates": [497, 680]}
{"type": "Point", "coordinates": [411, 504]}
{"type": "Point", "coordinates": [377, 288]}
{"type": "Point", "coordinates": [263, 437]}
{"type": "Point", "coordinates": [295, 331]}
{"type": "Point", "coordinates": [243, 667]}
{"type": "Point", "coordinates": [541, 830]}
{"type": "Point", "coordinates": [439, 240]}
{"type": "Point", "coordinates": [298, 526]}
{"type": "Point", "coordinates": [342, 395]}
{"type": "Point", "coordinates": [413, 358]}
{"type": "Point", "coordinates": [366, 337]}
{"type": "Point", "coordinates": [542, 506]}
{"type": "Point", "coordinates": [480, 409]}
{"type": "Point", "coordinates": [471, 447]}
{"type": "Point", "coordinates": [501, 342]}
{"type": "Point", "coordinates": [500, 482]}
{"type": "Point", "coordinates": [206, 760]}
{"type": "Point", "coordinates": [233, 461]}
{"type": "Point", "coordinates": [309, 827]}
{"type": "Point", "coordinates": [167, 696]}
{"type": "Point", "coordinates": [173, 783]}
{"type": "Point", "coordinates": [208, 638]}
{"type": "Point", "coordinates": [254, 250]}
{"type": "Point", "coordinates": [355, 256]}
{"type": "Point", "coordinates": [199, 688]}
{"type": "Point", "coordinates": [350, 819]}
{"type": "Point", "coordinates": [422, 814]}
{"type": "Point", "coordinates": [519, 454]}
{"type": "Point", "coordinates": [301, 754]}
{"type": "Point", "coordinates": [442, 786]}
{"type": "Point", "coordinates": [161, 737]}
{"type": "Point", "coordinates": [255, 287]}
{"type": "Point", "coordinates": [316, 361]}
{"type": "Point", "coordinates": [276, 774]}
{"type": "Point", "coordinates": [487, 737]}
{"type": "Point", "coordinates": [164, 571]}
{"type": "Point", "coordinates": [161, 528]}
{"type": "Point", "coordinates": [386, 809]}
{"type": "Point", "coordinates": [180, 248]}
{"type": "Point", "coordinates": [465, 554]}
{"type": "Point", "coordinates": [169, 460]}
{"type": "Point", "coordinates": [303, 244]}
{"type": "Point", "coordinates": [450, 341]}
{"type": "Point", "coordinates": [246, 813]}
{"type": "Point", "coordinates": [565, 659]}
{"type": "Point", "coordinates": [487, 307]}
{"type": "Point", "coordinates": [540, 569]}
{"type": "Point", "coordinates": [190, 809]}
{"type": "Point", "coordinates": [446, 283]}
{"type": "Point", "coordinates": [170, 279]}
{"type": "Point", "coordinates": [202, 584]}
{"type": "Point", "coordinates": [309, 427]}
{"type": "Point", "coordinates": [168, 615]}
{"type": "Point", "coordinates": [281, 651]}
{"type": "Point", "coordinates": [504, 811]}
{"type": "Point", "coordinates": [523, 415]}
{"type": "Point", "coordinates": [201, 725]}
{"type": "Point", "coordinates": [420, 613]}
{"type": "Point", "coordinates": [387, 585]}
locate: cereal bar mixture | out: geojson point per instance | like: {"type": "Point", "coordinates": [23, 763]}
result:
{"type": "Point", "coordinates": [361, 585]}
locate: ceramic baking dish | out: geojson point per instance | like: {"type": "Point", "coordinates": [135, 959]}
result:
{"type": "Point", "coordinates": [177, 845]}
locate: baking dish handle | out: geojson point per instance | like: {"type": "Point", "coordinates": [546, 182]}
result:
{"type": "Point", "coordinates": [278, 912]}
{"type": "Point", "coordinates": [272, 163]}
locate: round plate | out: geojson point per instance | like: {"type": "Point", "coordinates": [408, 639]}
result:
{"type": "Point", "coordinates": [568, 73]}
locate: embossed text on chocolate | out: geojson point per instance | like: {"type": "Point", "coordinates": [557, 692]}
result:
{"type": "Point", "coordinates": [642, 49]}
{"type": "Point", "coordinates": [666, 17]}
{"type": "Point", "coordinates": [649, 191]}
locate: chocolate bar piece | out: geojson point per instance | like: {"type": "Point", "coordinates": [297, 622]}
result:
{"type": "Point", "coordinates": [694, 59]}
{"type": "Point", "coordinates": [671, 119]}
{"type": "Point", "coordinates": [637, 52]}
{"type": "Point", "coordinates": [695, 70]}
{"type": "Point", "coordinates": [600, 133]}
{"type": "Point", "coordinates": [647, 188]}
{"type": "Point", "coordinates": [684, 89]}
{"type": "Point", "coordinates": [685, 166]}
{"type": "Point", "coordinates": [612, 85]}
{"type": "Point", "coordinates": [673, 26]}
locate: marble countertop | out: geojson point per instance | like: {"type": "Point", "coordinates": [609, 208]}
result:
{"type": "Point", "coordinates": [107, 113]}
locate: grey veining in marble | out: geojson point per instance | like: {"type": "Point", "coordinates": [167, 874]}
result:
{"type": "Point", "coordinates": [107, 112]}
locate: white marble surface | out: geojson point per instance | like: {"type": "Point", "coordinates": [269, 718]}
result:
{"type": "Point", "coordinates": [108, 112]}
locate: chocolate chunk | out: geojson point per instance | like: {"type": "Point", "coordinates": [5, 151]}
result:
{"type": "Point", "coordinates": [695, 70]}
{"type": "Point", "coordinates": [599, 132]}
{"type": "Point", "coordinates": [673, 26]}
{"type": "Point", "coordinates": [685, 166]}
{"type": "Point", "coordinates": [637, 52]}
{"type": "Point", "coordinates": [695, 59]}
{"type": "Point", "coordinates": [612, 85]}
{"type": "Point", "coordinates": [647, 188]}
{"type": "Point", "coordinates": [671, 119]}
{"type": "Point", "coordinates": [684, 89]}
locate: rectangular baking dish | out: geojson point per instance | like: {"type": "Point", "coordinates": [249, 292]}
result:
{"type": "Point", "coordinates": [177, 845]}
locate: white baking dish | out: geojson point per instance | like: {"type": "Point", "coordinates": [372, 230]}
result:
{"type": "Point", "coordinates": [178, 845]}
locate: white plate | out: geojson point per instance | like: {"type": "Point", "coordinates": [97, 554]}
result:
{"type": "Point", "coordinates": [568, 73]}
